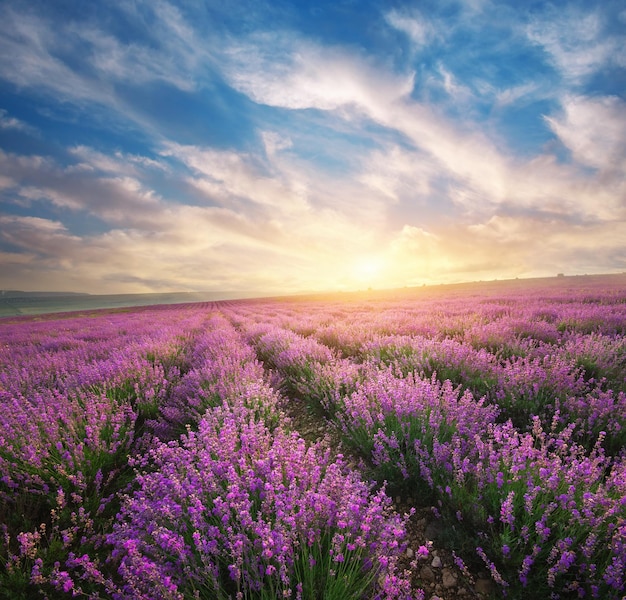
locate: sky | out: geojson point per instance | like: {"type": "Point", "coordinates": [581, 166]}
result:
{"type": "Point", "coordinates": [282, 146]}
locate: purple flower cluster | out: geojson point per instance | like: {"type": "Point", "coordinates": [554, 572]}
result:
{"type": "Point", "coordinates": [73, 399]}
{"type": "Point", "coordinates": [223, 368]}
{"type": "Point", "coordinates": [236, 508]}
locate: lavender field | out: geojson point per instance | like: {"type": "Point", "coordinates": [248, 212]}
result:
{"type": "Point", "coordinates": [156, 454]}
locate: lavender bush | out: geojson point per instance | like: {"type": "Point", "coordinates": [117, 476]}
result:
{"type": "Point", "coordinates": [235, 510]}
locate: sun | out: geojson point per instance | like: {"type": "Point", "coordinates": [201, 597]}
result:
{"type": "Point", "coordinates": [368, 269]}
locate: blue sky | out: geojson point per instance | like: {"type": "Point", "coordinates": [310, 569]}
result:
{"type": "Point", "coordinates": [152, 146]}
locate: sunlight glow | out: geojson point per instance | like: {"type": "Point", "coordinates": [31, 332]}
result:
{"type": "Point", "coordinates": [368, 269]}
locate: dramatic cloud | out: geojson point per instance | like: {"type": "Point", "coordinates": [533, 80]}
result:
{"type": "Point", "coordinates": [152, 146]}
{"type": "Point", "coordinates": [594, 130]}
{"type": "Point", "coordinates": [295, 74]}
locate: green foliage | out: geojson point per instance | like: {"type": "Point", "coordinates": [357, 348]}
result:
{"type": "Point", "coordinates": [331, 571]}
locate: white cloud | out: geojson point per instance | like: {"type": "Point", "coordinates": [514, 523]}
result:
{"type": "Point", "coordinates": [33, 44]}
{"type": "Point", "coordinates": [80, 63]}
{"type": "Point", "coordinates": [176, 54]}
{"type": "Point", "coordinates": [517, 93]}
{"type": "Point", "coordinates": [417, 243]}
{"type": "Point", "coordinates": [419, 31]}
{"type": "Point", "coordinates": [45, 242]}
{"type": "Point", "coordinates": [543, 247]}
{"type": "Point", "coordinates": [462, 95]}
{"type": "Point", "coordinates": [118, 163]}
{"type": "Point", "coordinates": [277, 70]}
{"type": "Point", "coordinates": [274, 142]}
{"type": "Point", "coordinates": [7, 122]}
{"type": "Point", "coordinates": [228, 177]}
{"type": "Point", "coordinates": [6, 182]}
{"type": "Point", "coordinates": [482, 175]}
{"type": "Point", "coordinates": [503, 246]}
{"type": "Point", "coordinates": [116, 199]}
{"type": "Point", "coordinates": [576, 43]}
{"type": "Point", "coordinates": [279, 220]}
{"type": "Point", "coordinates": [293, 231]}
{"type": "Point", "coordinates": [33, 223]}
{"type": "Point", "coordinates": [594, 130]}
{"type": "Point", "coordinates": [398, 173]}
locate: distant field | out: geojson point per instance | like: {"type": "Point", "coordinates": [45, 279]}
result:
{"type": "Point", "coordinates": [36, 304]}
{"type": "Point", "coordinates": [23, 303]}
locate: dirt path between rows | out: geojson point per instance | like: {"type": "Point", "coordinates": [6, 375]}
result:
{"type": "Point", "coordinates": [437, 575]}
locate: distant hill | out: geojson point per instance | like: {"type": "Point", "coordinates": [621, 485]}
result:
{"type": "Point", "coordinates": [15, 302]}
{"type": "Point", "coordinates": [21, 294]}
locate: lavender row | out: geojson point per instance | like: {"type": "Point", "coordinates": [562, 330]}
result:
{"type": "Point", "coordinates": [500, 323]}
{"type": "Point", "coordinates": [546, 513]}
{"type": "Point", "coordinates": [513, 351]}
{"type": "Point", "coordinates": [75, 396]}
{"type": "Point", "coordinates": [549, 382]}
{"type": "Point", "coordinates": [237, 507]}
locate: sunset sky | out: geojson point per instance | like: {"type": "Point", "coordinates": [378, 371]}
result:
{"type": "Point", "coordinates": [284, 146]}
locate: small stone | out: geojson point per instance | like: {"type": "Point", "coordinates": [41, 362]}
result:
{"type": "Point", "coordinates": [448, 578]}
{"type": "Point", "coordinates": [461, 592]}
{"type": "Point", "coordinates": [409, 552]}
{"type": "Point", "coordinates": [483, 587]}
{"type": "Point", "coordinates": [436, 564]}
{"type": "Point", "coordinates": [427, 574]}
{"type": "Point", "coordinates": [435, 597]}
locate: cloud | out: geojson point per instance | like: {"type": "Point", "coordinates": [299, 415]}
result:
{"type": "Point", "coordinates": [483, 173]}
{"type": "Point", "coordinates": [518, 94]}
{"type": "Point", "coordinates": [43, 243]}
{"type": "Point", "coordinates": [115, 199]}
{"type": "Point", "coordinates": [281, 70]}
{"type": "Point", "coordinates": [228, 176]}
{"type": "Point", "coordinates": [118, 163]}
{"type": "Point", "coordinates": [283, 193]}
{"type": "Point", "coordinates": [456, 90]}
{"type": "Point", "coordinates": [169, 50]}
{"type": "Point", "coordinates": [547, 246]}
{"type": "Point", "coordinates": [418, 29]}
{"type": "Point", "coordinates": [82, 64]}
{"type": "Point", "coordinates": [34, 45]}
{"type": "Point", "coordinates": [274, 142]}
{"type": "Point", "coordinates": [359, 169]}
{"type": "Point", "coordinates": [152, 239]}
{"type": "Point", "coordinates": [35, 224]}
{"type": "Point", "coordinates": [594, 130]}
{"type": "Point", "coordinates": [577, 42]}
{"type": "Point", "coordinates": [399, 173]}
{"type": "Point", "coordinates": [7, 122]}
{"type": "Point", "coordinates": [504, 246]}
{"type": "Point", "coordinates": [189, 253]}
{"type": "Point", "coordinates": [484, 176]}
{"type": "Point", "coordinates": [305, 76]}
